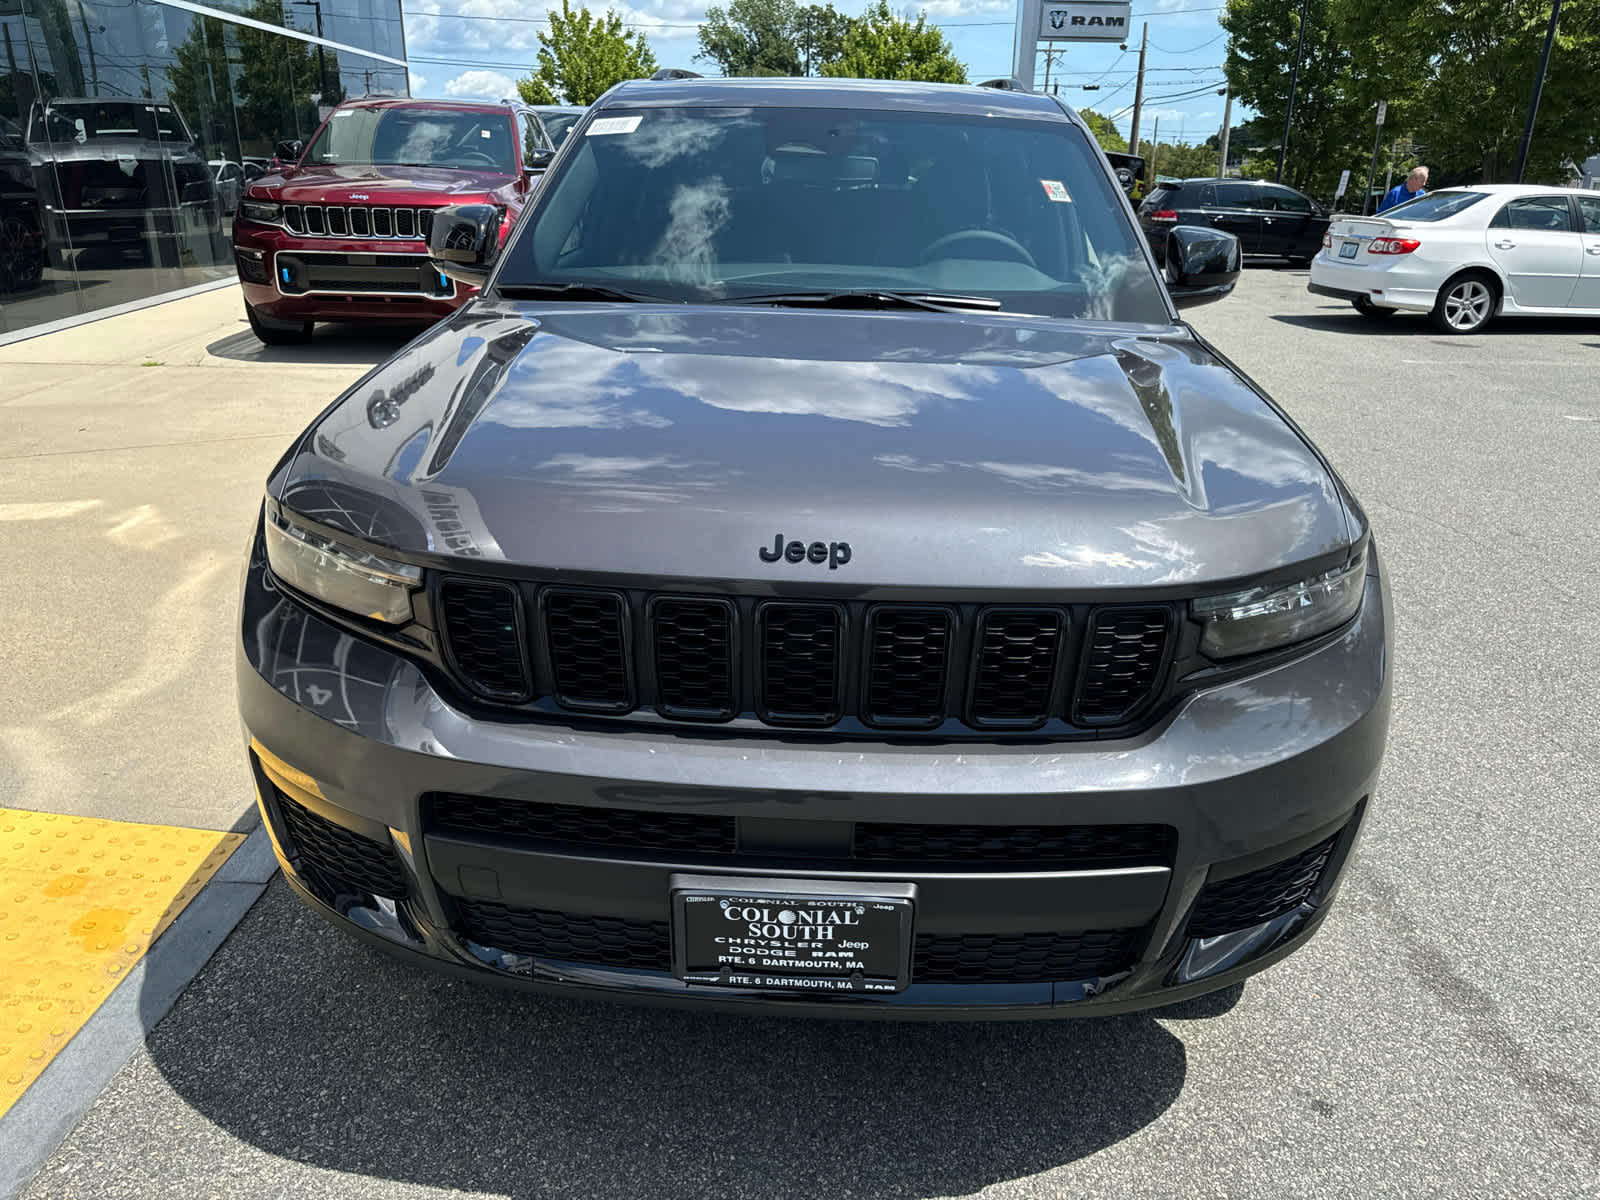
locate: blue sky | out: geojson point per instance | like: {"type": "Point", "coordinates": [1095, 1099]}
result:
{"type": "Point", "coordinates": [479, 48]}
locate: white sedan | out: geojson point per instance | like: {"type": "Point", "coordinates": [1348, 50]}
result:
{"type": "Point", "coordinates": [1463, 255]}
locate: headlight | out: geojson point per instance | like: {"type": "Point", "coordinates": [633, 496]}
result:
{"type": "Point", "coordinates": [261, 212]}
{"type": "Point", "coordinates": [354, 580]}
{"type": "Point", "coordinates": [1265, 618]}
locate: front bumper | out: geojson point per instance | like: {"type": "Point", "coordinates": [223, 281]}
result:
{"type": "Point", "coordinates": [1263, 782]}
{"type": "Point", "coordinates": [412, 291]}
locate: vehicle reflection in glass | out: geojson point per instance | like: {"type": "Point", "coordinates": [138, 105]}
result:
{"type": "Point", "coordinates": [124, 177]}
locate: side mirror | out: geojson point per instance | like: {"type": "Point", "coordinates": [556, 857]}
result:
{"type": "Point", "coordinates": [464, 241]}
{"type": "Point", "coordinates": [288, 152]}
{"type": "Point", "coordinates": [537, 160]}
{"type": "Point", "coordinates": [1202, 265]}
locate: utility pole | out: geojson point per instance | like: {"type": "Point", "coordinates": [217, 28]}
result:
{"type": "Point", "coordinates": [1538, 89]}
{"type": "Point", "coordinates": [1138, 94]}
{"type": "Point", "coordinates": [1227, 118]}
{"type": "Point", "coordinates": [1155, 143]}
{"type": "Point", "coordinates": [1294, 78]}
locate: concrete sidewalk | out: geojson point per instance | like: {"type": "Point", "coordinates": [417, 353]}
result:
{"type": "Point", "coordinates": [133, 451]}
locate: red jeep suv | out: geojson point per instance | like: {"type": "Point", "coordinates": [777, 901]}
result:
{"type": "Point", "coordinates": [342, 234]}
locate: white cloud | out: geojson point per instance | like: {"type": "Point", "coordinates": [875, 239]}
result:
{"type": "Point", "coordinates": [965, 8]}
{"type": "Point", "coordinates": [418, 84]}
{"type": "Point", "coordinates": [481, 85]}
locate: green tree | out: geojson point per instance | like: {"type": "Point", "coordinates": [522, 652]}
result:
{"type": "Point", "coordinates": [1179, 161]}
{"type": "Point", "coordinates": [582, 56]}
{"type": "Point", "coordinates": [1104, 131]}
{"type": "Point", "coordinates": [1458, 78]}
{"type": "Point", "coordinates": [881, 45]}
{"type": "Point", "coordinates": [752, 37]}
{"type": "Point", "coordinates": [820, 31]}
{"type": "Point", "coordinates": [1330, 111]}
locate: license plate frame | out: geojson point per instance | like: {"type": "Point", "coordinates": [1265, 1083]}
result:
{"type": "Point", "coordinates": [1350, 249]}
{"type": "Point", "coordinates": [873, 957]}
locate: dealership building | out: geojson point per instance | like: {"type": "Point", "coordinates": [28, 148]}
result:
{"type": "Point", "coordinates": [128, 129]}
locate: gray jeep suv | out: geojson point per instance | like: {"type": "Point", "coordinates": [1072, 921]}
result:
{"type": "Point", "coordinates": [822, 574]}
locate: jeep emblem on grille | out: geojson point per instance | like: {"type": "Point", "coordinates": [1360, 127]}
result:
{"type": "Point", "coordinates": [359, 196]}
{"type": "Point", "coordinates": [835, 554]}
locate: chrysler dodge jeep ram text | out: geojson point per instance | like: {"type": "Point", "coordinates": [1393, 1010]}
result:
{"type": "Point", "coordinates": [342, 234]}
{"type": "Point", "coordinates": [819, 573]}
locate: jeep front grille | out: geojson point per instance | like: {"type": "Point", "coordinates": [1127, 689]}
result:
{"type": "Point", "coordinates": [367, 222]}
{"type": "Point", "coordinates": [957, 669]}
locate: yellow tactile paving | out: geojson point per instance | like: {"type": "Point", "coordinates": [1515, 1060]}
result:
{"type": "Point", "coordinates": [81, 900]}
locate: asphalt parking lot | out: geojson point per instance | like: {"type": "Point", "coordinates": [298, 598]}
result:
{"type": "Point", "coordinates": [1437, 1038]}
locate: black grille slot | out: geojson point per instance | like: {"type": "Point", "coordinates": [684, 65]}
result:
{"type": "Point", "coordinates": [908, 665]}
{"type": "Point", "coordinates": [293, 218]}
{"type": "Point", "coordinates": [1125, 650]}
{"type": "Point", "coordinates": [405, 223]}
{"type": "Point", "coordinates": [588, 649]}
{"type": "Point", "coordinates": [482, 626]}
{"type": "Point", "coordinates": [336, 861]}
{"type": "Point", "coordinates": [569, 937]}
{"type": "Point", "coordinates": [1021, 957]}
{"type": "Point", "coordinates": [1015, 667]}
{"type": "Point", "coordinates": [1233, 904]}
{"type": "Point", "coordinates": [1074, 846]}
{"type": "Point", "coordinates": [360, 222]}
{"type": "Point", "coordinates": [800, 651]}
{"type": "Point", "coordinates": [338, 225]}
{"type": "Point", "coordinates": [424, 223]}
{"type": "Point", "coordinates": [694, 658]}
{"type": "Point", "coordinates": [382, 222]}
{"type": "Point", "coordinates": [585, 828]}
{"type": "Point", "coordinates": [316, 220]}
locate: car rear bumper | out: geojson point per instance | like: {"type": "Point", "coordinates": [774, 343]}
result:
{"type": "Point", "coordinates": [543, 855]}
{"type": "Point", "coordinates": [1399, 285]}
{"type": "Point", "coordinates": [291, 278]}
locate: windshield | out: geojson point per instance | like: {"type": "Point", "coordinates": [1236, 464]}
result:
{"type": "Point", "coordinates": [415, 137]}
{"type": "Point", "coordinates": [1435, 206]}
{"type": "Point", "coordinates": [68, 121]}
{"type": "Point", "coordinates": [557, 125]}
{"type": "Point", "coordinates": [700, 203]}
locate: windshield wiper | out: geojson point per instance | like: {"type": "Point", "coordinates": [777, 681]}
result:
{"type": "Point", "coordinates": [575, 291]}
{"type": "Point", "coordinates": [871, 298]}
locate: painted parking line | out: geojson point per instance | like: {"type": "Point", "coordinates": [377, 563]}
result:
{"type": "Point", "coordinates": [81, 901]}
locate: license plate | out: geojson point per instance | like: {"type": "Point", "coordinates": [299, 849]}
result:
{"type": "Point", "coordinates": [1348, 250]}
{"type": "Point", "coordinates": [794, 936]}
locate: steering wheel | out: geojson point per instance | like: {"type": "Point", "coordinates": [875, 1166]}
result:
{"type": "Point", "coordinates": [476, 158]}
{"type": "Point", "coordinates": [1017, 251]}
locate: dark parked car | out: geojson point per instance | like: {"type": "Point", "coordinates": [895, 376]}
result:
{"type": "Point", "coordinates": [819, 572]}
{"type": "Point", "coordinates": [1129, 169]}
{"type": "Point", "coordinates": [21, 223]}
{"type": "Point", "coordinates": [559, 119]}
{"type": "Point", "coordinates": [1267, 218]}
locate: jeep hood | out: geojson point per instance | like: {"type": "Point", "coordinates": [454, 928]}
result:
{"type": "Point", "coordinates": [952, 451]}
{"type": "Point", "coordinates": [391, 185]}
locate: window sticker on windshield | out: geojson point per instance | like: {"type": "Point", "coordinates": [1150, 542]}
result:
{"type": "Point", "coordinates": [345, 112]}
{"type": "Point", "coordinates": [485, 133]}
{"type": "Point", "coordinates": [614, 125]}
{"type": "Point", "coordinates": [1056, 190]}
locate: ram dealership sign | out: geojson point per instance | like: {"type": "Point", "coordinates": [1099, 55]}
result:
{"type": "Point", "coordinates": [1085, 21]}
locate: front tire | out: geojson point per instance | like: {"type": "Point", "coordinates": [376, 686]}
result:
{"type": "Point", "coordinates": [1466, 303]}
{"type": "Point", "coordinates": [1371, 311]}
{"type": "Point", "coordinates": [278, 333]}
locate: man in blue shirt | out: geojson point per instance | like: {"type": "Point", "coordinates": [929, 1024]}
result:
{"type": "Point", "coordinates": [1409, 188]}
